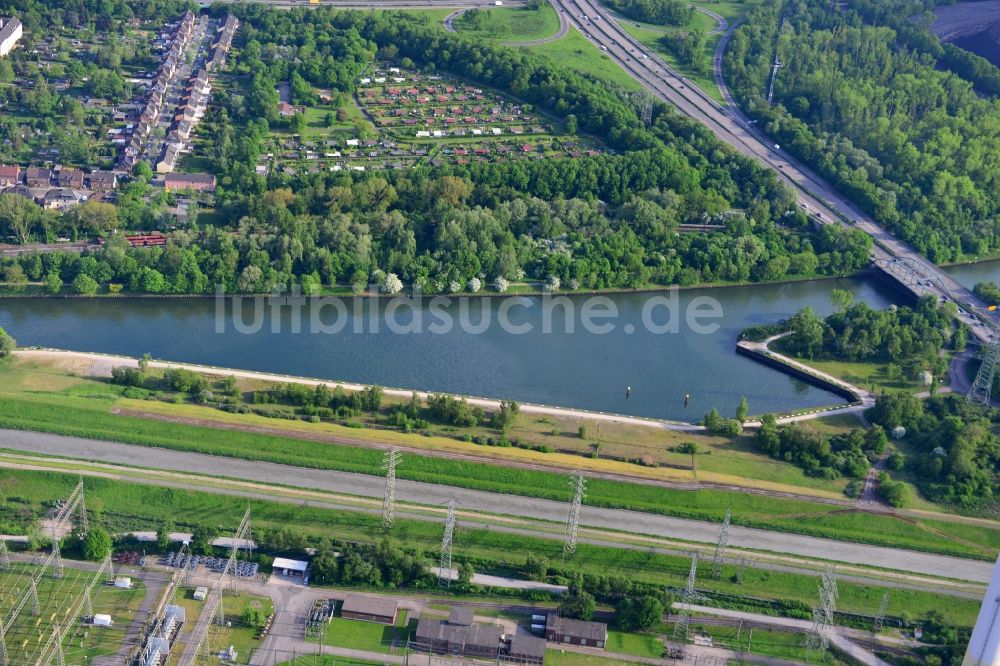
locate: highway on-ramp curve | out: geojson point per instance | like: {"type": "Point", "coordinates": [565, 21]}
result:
{"type": "Point", "coordinates": [496, 503]}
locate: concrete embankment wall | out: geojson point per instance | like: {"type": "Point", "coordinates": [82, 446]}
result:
{"type": "Point", "coordinates": [798, 373]}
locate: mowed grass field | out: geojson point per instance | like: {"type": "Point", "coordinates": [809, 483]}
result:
{"type": "Point", "coordinates": [510, 24]}
{"type": "Point", "coordinates": [575, 52]}
{"type": "Point", "coordinates": [57, 598]}
{"type": "Point", "coordinates": [369, 636]}
{"type": "Point", "coordinates": [84, 408]}
{"type": "Point", "coordinates": [126, 506]}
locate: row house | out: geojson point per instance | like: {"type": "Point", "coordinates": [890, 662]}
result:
{"type": "Point", "coordinates": [170, 157]}
{"type": "Point", "coordinates": [61, 198]}
{"type": "Point", "coordinates": [225, 42]}
{"type": "Point", "coordinates": [37, 177]}
{"type": "Point", "coordinates": [103, 181]}
{"type": "Point", "coordinates": [195, 181]}
{"type": "Point", "coordinates": [183, 129]}
{"type": "Point", "coordinates": [154, 104]}
{"type": "Point", "coordinates": [200, 84]}
{"type": "Point", "coordinates": [72, 178]}
{"type": "Point", "coordinates": [10, 174]}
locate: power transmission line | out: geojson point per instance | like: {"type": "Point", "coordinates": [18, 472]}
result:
{"type": "Point", "coordinates": [741, 570]}
{"type": "Point", "coordinates": [823, 614]}
{"type": "Point", "coordinates": [683, 625]}
{"type": "Point", "coordinates": [880, 616]}
{"type": "Point", "coordinates": [213, 608]}
{"type": "Point", "coordinates": [444, 570]}
{"type": "Point", "coordinates": [389, 462]}
{"type": "Point", "coordinates": [579, 485]}
{"type": "Point", "coordinates": [982, 387]}
{"type": "Point", "coordinates": [62, 518]}
{"type": "Point", "coordinates": [720, 545]}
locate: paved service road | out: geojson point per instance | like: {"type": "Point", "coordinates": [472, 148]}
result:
{"type": "Point", "coordinates": [435, 495]}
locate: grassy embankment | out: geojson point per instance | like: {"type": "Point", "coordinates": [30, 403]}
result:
{"type": "Point", "coordinates": [85, 409]}
{"type": "Point", "coordinates": [575, 52]}
{"type": "Point", "coordinates": [876, 376]}
{"type": "Point", "coordinates": [124, 506]}
{"type": "Point", "coordinates": [510, 24]}
{"type": "Point", "coordinates": [557, 441]}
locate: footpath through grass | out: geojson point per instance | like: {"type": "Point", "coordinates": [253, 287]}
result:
{"type": "Point", "coordinates": [91, 417]}
{"type": "Point", "coordinates": [123, 506]}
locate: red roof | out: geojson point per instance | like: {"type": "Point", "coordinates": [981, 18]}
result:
{"type": "Point", "coordinates": [10, 171]}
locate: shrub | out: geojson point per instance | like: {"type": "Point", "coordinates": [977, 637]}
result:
{"type": "Point", "coordinates": [85, 285]}
{"type": "Point", "coordinates": [127, 376]}
{"type": "Point", "coordinates": [895, 461]}
{"type": "Point", "coordinates": [7, 343]}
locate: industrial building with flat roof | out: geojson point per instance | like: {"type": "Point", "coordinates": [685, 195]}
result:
{"type": "Point", "coordinates": [526, 649]}
{"type": "Point", "coordinates": [575, 632]}
{"type": "Point", "coordinates": [370, 609]}
{"type": "Point", "coordinates": [435, 635]}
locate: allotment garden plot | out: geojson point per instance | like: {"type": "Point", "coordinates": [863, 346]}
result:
{"type": "Point", "coordinates": [431, 119]}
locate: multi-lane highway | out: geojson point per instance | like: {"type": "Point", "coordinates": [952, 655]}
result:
{"type": "Point", "coordinates": [730, 125]}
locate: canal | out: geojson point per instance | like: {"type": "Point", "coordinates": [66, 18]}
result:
{"type": "Point", "coordinates": [546, 364]}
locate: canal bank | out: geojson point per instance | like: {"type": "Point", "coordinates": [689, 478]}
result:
{"type": "Point", "coordinates": [572, 369]}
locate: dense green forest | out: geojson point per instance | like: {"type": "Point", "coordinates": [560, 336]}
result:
{"type": "Point", "coordinates": [104, 15]}
{"type": "Point", "coordinates": [878, 106]}
{"type": "Point", "coordinates": [908, 339]}
{"type": "Point", "coordinates": [953, 450]}
{"type": "Point", "coordinates": [592, 222]}
{"type": "Point", "coordinates": [661, 12]}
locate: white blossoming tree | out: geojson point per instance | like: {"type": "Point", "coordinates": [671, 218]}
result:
{"type": "Point", "coordinates": [391, 284]}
